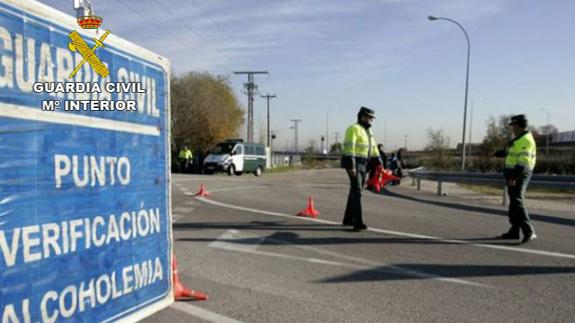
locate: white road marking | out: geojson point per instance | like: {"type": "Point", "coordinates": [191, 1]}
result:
{"type": "Point", "coordinates": [398, 233]}
{"type": "Point", "coordinates": [183, 210]}
{"type": "Point", "coordinates": [202, 313]}
{"type": "Point", "coordinates": [241, 244]}
{"type": "Point", "coordinates": [195, 178]}
{"type": "Point", "coordinates": [74, 119]}
{"type": "Point", "coordinates": [230, 240]}
{"type": "Point", "coordinates": [224, 189]}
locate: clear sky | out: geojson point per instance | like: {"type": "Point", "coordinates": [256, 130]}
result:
{"type": "Point", "coordinates": [383, 54]}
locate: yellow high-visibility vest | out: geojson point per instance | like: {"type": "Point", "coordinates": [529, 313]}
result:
{"type": "Point", "coordinates": [359, 142]}
{"type": "Point", "coordinates": [523, 152]}
{"type": "Point", "coordinates": [185, 154]}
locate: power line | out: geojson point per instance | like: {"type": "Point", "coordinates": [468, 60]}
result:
{"type": "Point", "coordinates": [190, 27]}
{"type": "Point", "coordinates": [195, 3]}
{"type": "Point", "coordinates": [182, 43]}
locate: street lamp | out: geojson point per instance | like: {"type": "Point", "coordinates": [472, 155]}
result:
{"type": "Point", "coordinates": [547, 134]}
{"type": "Point", "coordinates": [433, 18]}
{"type": "Point", "coordinates": [471, 123]}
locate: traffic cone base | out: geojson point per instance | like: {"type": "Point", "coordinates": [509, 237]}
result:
{"type": "Point", "coordinates": [203, 192]}
{"type": "Point", "coordinates": [181, 292]}
{"type": "Point", "coordinates": [310, 210]}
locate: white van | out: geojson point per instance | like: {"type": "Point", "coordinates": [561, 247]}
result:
{"type": "Point", "coordinates": [236, 157]}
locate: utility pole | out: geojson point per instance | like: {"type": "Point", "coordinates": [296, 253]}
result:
{"type": "Point", "coordinates": [327, 133]}
{"type": "Point", "coordinates": [274, 136]}
{"type": "Point", "coordinates": [336, 141]}
{"type": "Point", "coordinates": [295, 123]}
{"type": "Point", "coordinates": [268, 97]}
{"type": "Point", "coordinates": [251, 90]}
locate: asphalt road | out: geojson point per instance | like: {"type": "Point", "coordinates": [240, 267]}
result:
{"type": "Point", "coordinates": [424, 257]}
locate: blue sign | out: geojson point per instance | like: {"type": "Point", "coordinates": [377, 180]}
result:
{"type": "Point", "coordinates": [85, 231]}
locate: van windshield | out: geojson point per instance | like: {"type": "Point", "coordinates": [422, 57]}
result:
{"type": "Point", "coordinates": [224, 149]}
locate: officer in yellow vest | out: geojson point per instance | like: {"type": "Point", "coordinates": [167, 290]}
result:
{"type": "Point", "coordinates": [185, 156]}
{"type": "Point", "coordinates": [359, 147]}
{"type": "Point", "coordinates": [519, 165]}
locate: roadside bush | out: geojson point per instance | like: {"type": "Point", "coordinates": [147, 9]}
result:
{"type": "Point", "coordinates": [558, 164]}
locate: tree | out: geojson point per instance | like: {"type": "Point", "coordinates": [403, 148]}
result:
{"type": "Point", "coordinates": [311, 148]}
{"type": "Point", "coordinates": [335, 148]}
{"type": "Point", "coordinates": [438, 145]}
{"type": "Point", "coordinates": [547, 130]}
{"type": "Point", "coordinates": [204, 111]}
{"type": "Point", "coordinates": [437, 141]}
{"type": "Point", "coordinates": [498, 135]}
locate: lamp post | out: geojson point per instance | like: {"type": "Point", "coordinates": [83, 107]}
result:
{"type": "Point", "coordinates": [471, 124]}
{"type": "Point", "coordinates": [547, 134]}
{"type": "Point", "coordinates": [433, 18]}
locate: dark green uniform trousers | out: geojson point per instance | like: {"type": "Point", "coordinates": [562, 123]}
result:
{"type": "Point", "coordinates": [518, 215]}
{"type": "Point", "coordinates": [353, 214]}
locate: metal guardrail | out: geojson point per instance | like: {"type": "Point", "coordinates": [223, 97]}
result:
{"type": "Point", "coordinates": [490, 179]}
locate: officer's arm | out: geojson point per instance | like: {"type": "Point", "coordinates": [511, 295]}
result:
{"type": "Point", "coordinates": [349, 148]}
{"type": "Point", "coordinates": [523, 158]}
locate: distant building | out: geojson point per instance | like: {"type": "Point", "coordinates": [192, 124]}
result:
{"type": "Point", "coordinates": [563, 138]}
{"type": "Point", "coordinates": [475, 148]}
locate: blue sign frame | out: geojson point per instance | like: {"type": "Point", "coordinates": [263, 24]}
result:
{"type": "Point", "coordinates": [85, 225]}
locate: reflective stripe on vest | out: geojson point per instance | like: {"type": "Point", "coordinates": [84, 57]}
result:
{"type": "Point", "coordinates": [523, 152]}
{"type": "Point", "coordinates": [359, 142]}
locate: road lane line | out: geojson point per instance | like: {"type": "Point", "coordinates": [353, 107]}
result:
{"type": "Point", "coordinates": [398, 233]}
{"type": "Point", "coordinates": [202, 313]}
{"type": "Point", "coordinates": [226, 242]}
{"type": "Point", "coordinates": [229, 240]}
{"type": "Point", "coordinates": [184, 210]}
{"type": "Point", "coordinates": [190, 203]}
{"type": "Point", "coordinates": [224, 189]}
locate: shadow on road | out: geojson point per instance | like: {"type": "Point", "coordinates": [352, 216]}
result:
{"type": "Point", "coordinates": [286, 234]}
{"type": "Point", "coordinates": [402, 272]}
{"type": "Point", "coordinates": [479, 209]}
{"type": "Point", "coordinates": [253, 225]}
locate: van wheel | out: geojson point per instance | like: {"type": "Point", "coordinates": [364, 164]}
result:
{"type": "Point", "coordinates": [232, 170]}
{"type": "Point", "coordinates": [258, 172]}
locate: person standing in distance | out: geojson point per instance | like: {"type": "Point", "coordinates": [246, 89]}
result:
{"type": "Point", "coordinates": [359, 147]}
{"type": "Point", "coordinates": [519, 164]}
{"type": "Point", "coordinates": [185, 156]}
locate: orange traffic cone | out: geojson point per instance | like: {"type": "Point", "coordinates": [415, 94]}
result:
{"type": "Point", "coordinates": [181, 292]}
{"type": "Point", "coordinates": [374, 182]}
{"type": "Point", "coordinates": [203, 192]}
{"type": "Point", "coordinates": [387, 176]}
{"type": "Point", "coordinates": [381, 178]}
{"type": "Point", "coordinates": [309, 211]}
